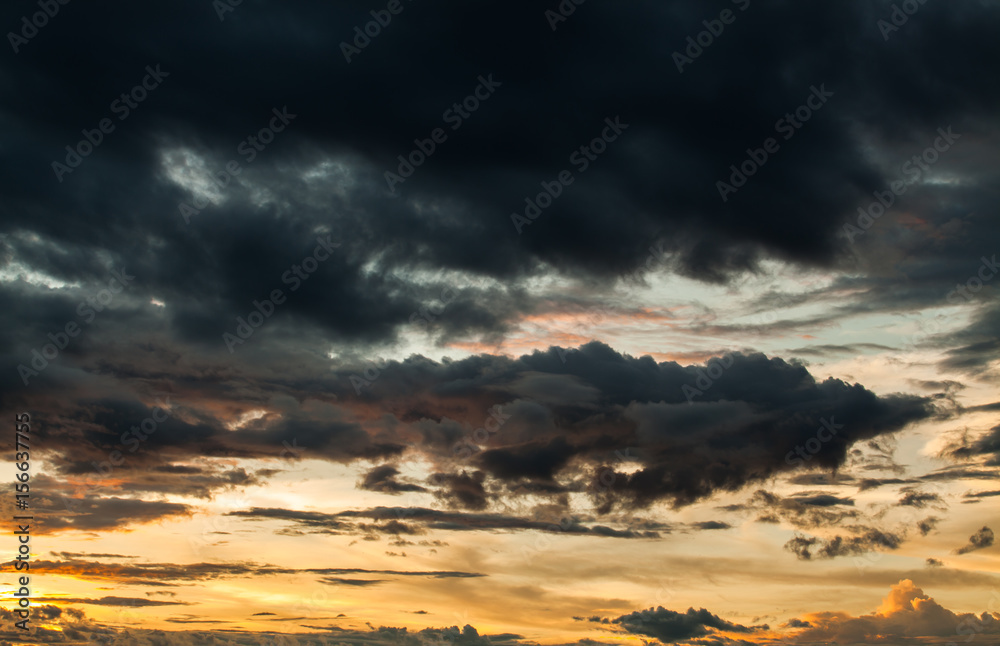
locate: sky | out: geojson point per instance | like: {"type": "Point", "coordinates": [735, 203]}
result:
{"type": "Point", "coordinates": [564, 323]}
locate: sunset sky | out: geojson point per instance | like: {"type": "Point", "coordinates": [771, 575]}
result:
{"type": "Point", "coordinates": [489, 323]}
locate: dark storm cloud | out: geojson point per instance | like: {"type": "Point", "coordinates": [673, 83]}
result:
{"type": "Point", "coordinates": [987, 445]}
{"type": "Point", "coordinates": [711, 524]}
{"type": "Point", "coordinates": [432, 575]}
{"type": "Point", "coordinates": [391, 528]}
{"type": "Point", "coordinates": [360, 583]}
{"type": "Point", "coordinates": [327, 167]}
{"type": "Point", "coordinates": [920, 500]}
{"type": "Point", "coordinates": [314, 520]}
{"type": "Point", "coordinates": [110, 501]}
{"type": "Point", "coordinates": [927, 525]}
{"type": "Point", "coordinates": [74, 555]}
{"type": "Point", "coordinates": [96, 513]}
{"type": "Point", "coordinates": [975, 347]}
{"type": "Point", "coordinates": [684, 441]}
{"type": "Point", "coordinates": [960, 473]}
{"type": "Point", "coordinates": [418, 519]}
{"type": "Point", "coordinates": [822, 479]}
{"type": "Point", "coordinates": [98, 438]}
{"type": "Point", "coordinates": [150, 574]}
{"type": "Point", "coordinates": [874, 483]}
{"type": "Point", "coordinates": [868, 540]}
{"type": "Point", "coordinates": [670, 627]}
{"type": "Point", "coordinates": [982, 494]}
{"type": "Point", "coordinates": [462, 490]}
{"type": "Point", "coordinates": [990, 408]}
{"type": "Point", "coordinates": [821, 500]}
{"type": "Point", "coordinates": [980, 540]}
{"type": "Point", "coordinates": [130, 602]}
{"type": "Point", "coordinates": [947, 385]}
{"type": "Point", "coordinates": [533, 460]}
{"type": "Point", "coordinates": [383, 479]}
{"type": "Point", "coordinates": [750, 418]}
{"type": "Point", "coordinates": [808, 510]}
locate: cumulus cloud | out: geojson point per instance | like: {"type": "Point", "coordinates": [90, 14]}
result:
{"type": "Point", "coordinates": [906, 616]}
{"type": "Point", "coordinates": [670, 627]}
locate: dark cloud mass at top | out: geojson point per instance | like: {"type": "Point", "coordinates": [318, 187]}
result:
{"type": "Point", "coordinates": [324, 173]}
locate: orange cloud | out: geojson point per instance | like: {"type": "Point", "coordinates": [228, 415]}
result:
{"type": "Point", "coordinates": [907, 615]}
